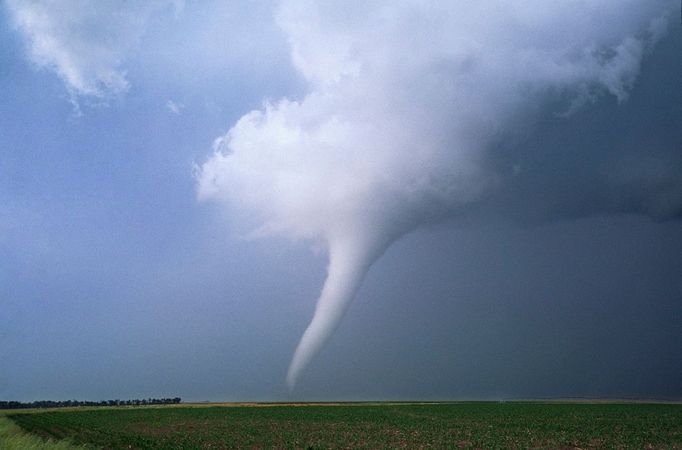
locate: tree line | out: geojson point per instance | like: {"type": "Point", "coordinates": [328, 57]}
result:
{"type": "Point", "coordinates": [66, 403]}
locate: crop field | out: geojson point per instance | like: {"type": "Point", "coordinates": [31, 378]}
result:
{"type": "Point", "coordinates": [358, 425]}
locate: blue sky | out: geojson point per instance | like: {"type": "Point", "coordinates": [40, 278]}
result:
{"type": "Point", "coordinates": [547, 264]}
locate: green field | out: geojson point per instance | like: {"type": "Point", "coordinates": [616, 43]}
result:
{"type": "Point", "coordinates": [384, 425]}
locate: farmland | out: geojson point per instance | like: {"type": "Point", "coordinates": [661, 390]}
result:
{"type": "Point", "coordinates": [365, 425]}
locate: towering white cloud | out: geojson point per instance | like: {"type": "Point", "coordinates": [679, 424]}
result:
{"type": "Point", "coordinates": [84, 41]}
{"type": "Point", "coordinates": [405, 100]}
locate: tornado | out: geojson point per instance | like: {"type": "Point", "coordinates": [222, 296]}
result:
{"type": "Point", "coordinates": [349, 261]}
{"type": "Point", "coordinates": [405, 103]}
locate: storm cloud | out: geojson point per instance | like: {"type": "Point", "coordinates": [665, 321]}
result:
{"type": "Point", "coordinates": [409, 117]}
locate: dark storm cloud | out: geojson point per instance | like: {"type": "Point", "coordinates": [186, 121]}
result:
{"type": "Point", "coordinates": [609, 158]}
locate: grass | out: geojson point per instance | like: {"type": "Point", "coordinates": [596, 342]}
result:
{"type": "Point", "coordinates": [388, 425]}
{"type": "Point", "coordinates": [14, 438]}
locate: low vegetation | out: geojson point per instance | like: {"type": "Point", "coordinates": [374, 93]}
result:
{"type": "Point", "coordinates": [386, 425]}
{"type": "Point", "coordinates": [14, 438]}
